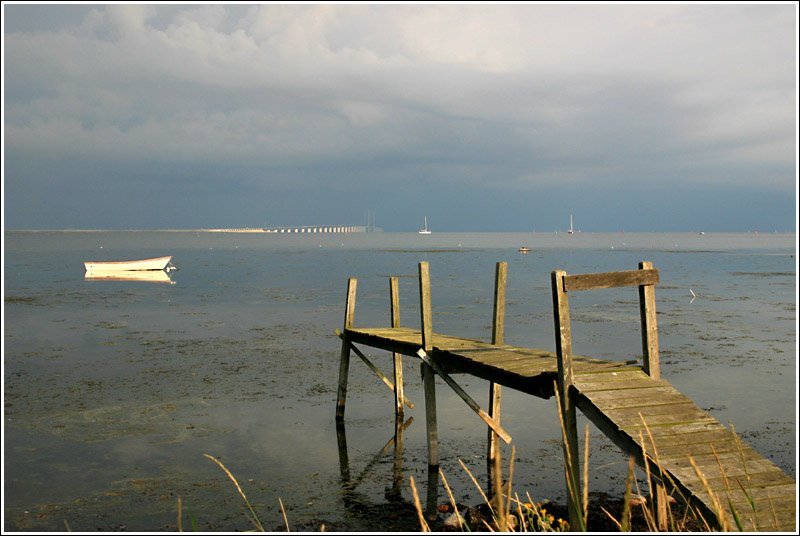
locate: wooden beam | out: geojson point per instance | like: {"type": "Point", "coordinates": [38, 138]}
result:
{"type": "Point", "coordinates": [464, 396]}
{"type": "Point", "coordinates": [379, 374]}
{"type": "Point", "coordinates": [631, 278]}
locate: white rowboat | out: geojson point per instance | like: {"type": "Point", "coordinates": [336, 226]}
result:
{"type": "Point", "coordinates": [158, 263]}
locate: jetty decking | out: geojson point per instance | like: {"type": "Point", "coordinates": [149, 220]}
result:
{"type": "Point", "coordinates": [688, 450]}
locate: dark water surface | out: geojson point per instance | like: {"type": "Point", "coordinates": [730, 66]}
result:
{"type": "Point", "coordinates": [114, 391]}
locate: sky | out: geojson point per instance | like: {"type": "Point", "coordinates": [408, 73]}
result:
{"type": "Point", "coordinates": [480, 117]}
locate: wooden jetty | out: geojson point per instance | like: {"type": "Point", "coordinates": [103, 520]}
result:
{"type": "Point", "coordinates": [695, 457]}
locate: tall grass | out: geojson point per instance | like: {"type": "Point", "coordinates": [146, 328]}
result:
{"type": "Point", "coordinates": [509, 513]}
{"type": "Point", "coordinates": [655, 506]}
{"type": "Point", "coordinates": [253, 517]}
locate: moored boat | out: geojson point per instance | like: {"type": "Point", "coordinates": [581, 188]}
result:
{"type": "Point", "coordinates": [157, 263]}
{"type": "Point", "coordinates": [425, 229]}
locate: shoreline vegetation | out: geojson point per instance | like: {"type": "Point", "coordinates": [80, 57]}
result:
{"type": "Point", "coordinates": [658, 507]}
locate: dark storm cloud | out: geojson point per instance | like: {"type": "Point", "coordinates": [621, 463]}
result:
{"type": "Point", "coordinates": [297, 105]}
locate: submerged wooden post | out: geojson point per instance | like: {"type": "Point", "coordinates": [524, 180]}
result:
{"type": "Point", "coordinates": [344, 362]}
{"type": "Point", "coordinates": [647, 309]}
{"type": "Point", "coordinates": [428, 374]}
{"type": "Point", "coordinates": [394, 299]}
{"type": "Point", "coordinates": [498, 338]}
{"type": "Point", "coordinates": [566, 402]}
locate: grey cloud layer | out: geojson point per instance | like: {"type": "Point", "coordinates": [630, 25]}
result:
{"type": "Point", "coordinates": [516, 95]}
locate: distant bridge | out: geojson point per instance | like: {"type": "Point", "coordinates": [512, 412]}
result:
{"type": "Point", "coordinates": [310, 229]}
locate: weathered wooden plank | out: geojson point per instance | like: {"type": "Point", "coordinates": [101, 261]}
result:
{"type": "Point", "coordinates": [511, 362]}
{"type": "Point", "coordinates": [630, 278]}
{"type": "Point", "coordinates": [681, 452]}
{"type": "Point", "coordinates": [611, 381]}
{"type": "Point", "coordinates": [728, 464]}
{"type": "Point", "coordinates": [783, 521]}
{"type": "Point", "coordinates": [490, 358]}
{"type": "Point", "coordinates": [765, 519]}
{"type": "Point", "coordinates": [719, 433]}
{"type": "Point", "coordinates": [781, 495]}
{"type": "Point", "coordinates": [644, 397]}
{"type": "Point", "coordinates": [685, 410]}
{"type": "Point", "coordinates": [587, 369]}
{"type": "Point", "coordinates": [498, 358]}
{"type": "Point", "coordinates": [761, 475]}
{"type": "Point", "coordinates": [610, 376]}
{"type": "Point", "coordinates": [526, 370]}
{"type": "Point", "coordinates": [631, 419]}
{"type": "Point", "coordinates": [658, 430]}
{"type": "Point", "coordinates": [718, 436]}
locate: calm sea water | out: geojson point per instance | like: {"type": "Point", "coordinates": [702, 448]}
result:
{"type": "Point", "coordinates": [114, 391]}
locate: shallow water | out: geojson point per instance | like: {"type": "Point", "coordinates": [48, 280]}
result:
{"type": "Point", "coordinates": [113, 391]}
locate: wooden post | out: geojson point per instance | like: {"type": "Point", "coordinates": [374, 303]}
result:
{"type": "Point", "coordinates": [498, 338]}
{"type": "Point", "coordinates": [394, 298]}
{"type": "Point", "coordinates": [428, 375]}
{"type": "Point", "coordinates": [647, 309]}
{"type": "Point", "coordinates": [344, 361]}
{"type": "Point", "coordinates": [425, 307]}
{"type": "Point", "coordinates": [567, 403]}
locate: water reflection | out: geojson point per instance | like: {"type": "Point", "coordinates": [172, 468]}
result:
{"type": "Point", "coordinates": [357, 503]}
{"type": "Point", "coordinates": [148, 276]}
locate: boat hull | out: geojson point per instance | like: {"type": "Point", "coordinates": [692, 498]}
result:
{"type": "Point", "coordinates": [157, 263]}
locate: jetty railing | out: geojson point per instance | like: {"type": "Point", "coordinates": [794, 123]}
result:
{"type": "Point", "coordinates": [646, 277]}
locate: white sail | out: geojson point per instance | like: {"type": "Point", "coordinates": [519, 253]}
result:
{"type": "Point", "coordinates": [425, 229]}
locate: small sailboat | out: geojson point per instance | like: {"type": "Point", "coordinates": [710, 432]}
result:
{"type": "Point", "coordinates": [571, 231]}
{"type": "Point", "coordinates": [425, 229]}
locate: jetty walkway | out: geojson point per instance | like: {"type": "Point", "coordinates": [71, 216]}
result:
{"type": "Point", "coordinates": [693, 456]}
